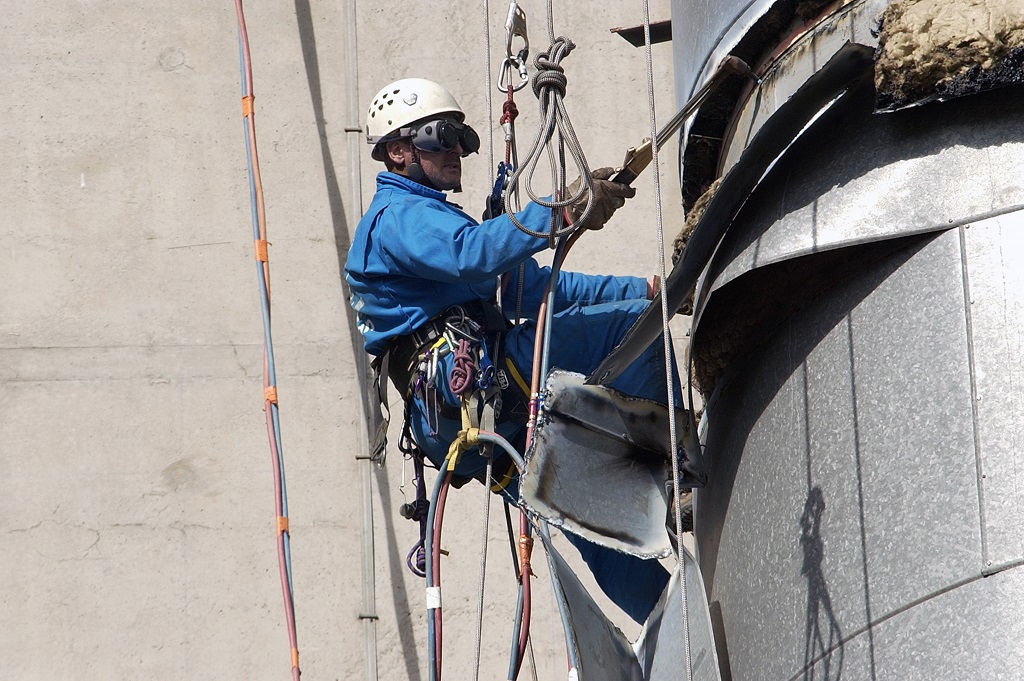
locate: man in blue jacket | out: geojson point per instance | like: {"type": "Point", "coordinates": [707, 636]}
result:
{"type": "Point", "coordinates": [419, 266]}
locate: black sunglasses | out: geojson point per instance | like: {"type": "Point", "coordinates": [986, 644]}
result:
{"type": "Point", "coordinates": [443, 135]}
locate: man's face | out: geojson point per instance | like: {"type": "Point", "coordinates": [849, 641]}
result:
{"type": "Point", "coordinates": [442, 170]}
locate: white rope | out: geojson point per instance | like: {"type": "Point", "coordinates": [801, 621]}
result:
{"type": "Point", "coordinates": [487, 491]}
{"type": "Point", "coordinates": [555, 135]}
{"type": "Point", "coordinates": [487, 88]}
{"type": "Point", "coordinates": [667, 336]}
{"type": "Point", "coordinates": [483, 563]}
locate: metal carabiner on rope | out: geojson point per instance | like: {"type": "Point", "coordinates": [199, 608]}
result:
{"type": "Point", "coordinates": [515, 25]}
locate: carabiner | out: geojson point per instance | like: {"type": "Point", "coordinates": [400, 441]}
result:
{"type": "Point", "coordinates": [515, 25]}
{"type": "Point", "coordinates": [486, 378]}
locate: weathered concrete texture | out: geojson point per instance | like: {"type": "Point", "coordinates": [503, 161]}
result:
{"type": "Point", "coordinates": [137, 506]}
{"type": "Point", "coordinates": [938, 49]}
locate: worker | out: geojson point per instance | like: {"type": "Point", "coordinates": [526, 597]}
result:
{"type": "Point", "coordinates": [419, 266]}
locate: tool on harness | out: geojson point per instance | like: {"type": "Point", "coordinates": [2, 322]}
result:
{"type": "Point", "coordinates": [414, 358]}
{"type": "Point", "coordinates": [416, 558]}
{"type": "Point", "coordinates": [494, 206]}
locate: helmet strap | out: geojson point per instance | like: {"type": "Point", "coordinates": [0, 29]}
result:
{"type": "Point", "coordinates": [415, 170]}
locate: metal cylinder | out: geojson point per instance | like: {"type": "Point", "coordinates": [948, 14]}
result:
{"type": "Point", "coordinates": [860, 347]}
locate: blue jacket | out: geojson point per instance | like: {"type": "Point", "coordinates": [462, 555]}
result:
{"type": "Point", "coordinates": [415, 254]}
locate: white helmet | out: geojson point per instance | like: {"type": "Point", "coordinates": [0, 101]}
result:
{"type": "Point", "coordinates": [403, 102]}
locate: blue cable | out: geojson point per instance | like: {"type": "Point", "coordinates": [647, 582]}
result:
{"type": "Point", "coordinates": [265, 308]}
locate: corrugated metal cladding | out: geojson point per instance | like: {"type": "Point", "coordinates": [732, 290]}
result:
{"type": "Point", "coordinates": [864, 514]}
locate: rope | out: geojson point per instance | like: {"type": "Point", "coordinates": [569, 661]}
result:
{"type": "Point", "coordinates": [509, 114]}
{"type": "Point", "coordinates": [460, 378]}
{"type": "Point", "coordinates": [270, 400]}
{"type": "Point", "coordinates": [549, 85]}
{"type": "Point", "coordinates": [483, 545]}
{"type": "Point", "coordinates": [667, 338]}
{"type": "Point", "coordinates": [466, 439]}
{"type": "Point", "coordinates": [487, 82]}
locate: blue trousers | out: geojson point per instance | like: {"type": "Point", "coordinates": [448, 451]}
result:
{"type": "Point", "coordinates": [581, 336]}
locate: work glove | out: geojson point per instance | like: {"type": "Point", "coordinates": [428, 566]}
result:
{"type": "Point", "coordinates": [608, 197]}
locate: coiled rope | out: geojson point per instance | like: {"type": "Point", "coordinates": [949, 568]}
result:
{"type": "Point", "coordinates": [460, 378]}
{"type": "Point", "coordinates": [270, 404]}
{"type": "Point", "coordinates": [555, 136]}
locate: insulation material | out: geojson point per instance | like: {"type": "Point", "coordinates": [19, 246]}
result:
{"type": "Point", "coordinates": [933, 50]}
{"type": "Point", "coordinates": [692, 218]}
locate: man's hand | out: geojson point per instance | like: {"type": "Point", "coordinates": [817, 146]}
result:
{"type": "Point", "coordinates": [607, 198]}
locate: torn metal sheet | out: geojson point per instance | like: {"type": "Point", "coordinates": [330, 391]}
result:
{"type": "Point", "coordinates": [850, 65]}
{"type": "Point", "coordinates": [599, 463]}
{"type": "Point", "coordinates": [867, 178]}
{"type": "Point", "coordinates": [661, 646]}
{"type": "Point", "coordinates": [598, 651]}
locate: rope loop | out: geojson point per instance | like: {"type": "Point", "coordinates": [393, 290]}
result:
{"type": "Point", "coordinates": [556, 137]}
{"type": "Point", "coordinates": [550, 73]}
{"type": "Point", "coordinates": [416, 560]}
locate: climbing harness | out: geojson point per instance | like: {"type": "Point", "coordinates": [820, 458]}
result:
{"type": "Point", "coordinates": [270, 399]}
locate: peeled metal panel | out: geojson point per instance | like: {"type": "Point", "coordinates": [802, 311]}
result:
{"type": "Point", "coordinates": [661, 646]}
{"type": "Point", "coordinates": [604, 653]}
{"type": "Point", "coordinates": [701, 29]}
{"type": "Point", "coordinates": [842, 467]}
{"type": "Point", "coordinates": [846, 72]}
{"type": "Point", "coordinates": [883, 176]}
{"type": "Point", "coordinates": [598, 465]}
{"type": "Point", "coordinates": [994, 251]}
{"type": "Point", "coordinates": [852, 24]}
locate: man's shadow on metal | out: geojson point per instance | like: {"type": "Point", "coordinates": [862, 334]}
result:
{"type": "Point", "coordinates": [822, 630]}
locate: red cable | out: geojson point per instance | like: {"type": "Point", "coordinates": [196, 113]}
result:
{"type": "Point", "coordinates": [436, 560]}
{"type": "Point", "coordinates": [269, 400]}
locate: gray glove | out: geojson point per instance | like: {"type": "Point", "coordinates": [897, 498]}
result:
{"type": "Point", "coordinates": [608, 197]}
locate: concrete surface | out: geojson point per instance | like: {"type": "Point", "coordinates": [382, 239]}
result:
{"type": "Point", "coordinates": [137, 492]}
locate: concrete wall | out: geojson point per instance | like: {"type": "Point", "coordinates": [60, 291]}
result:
{"type": "Point", "coordinates": [135, 480]}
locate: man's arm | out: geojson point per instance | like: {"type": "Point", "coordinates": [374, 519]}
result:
{"type": "Point", "coordinates": [571, 287]}
{"type": "Point", "coordinates": [436, 241]}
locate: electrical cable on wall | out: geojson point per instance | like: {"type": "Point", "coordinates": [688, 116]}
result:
{"type": "Point", "coordinates": [270, 403]}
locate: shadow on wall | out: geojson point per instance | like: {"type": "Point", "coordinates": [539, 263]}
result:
{"type": "Point", "coordinates": [342, 242]}
{"type": "Point", "coordinates": [820, 289]}
{"type": "Point", "coordinates": [822, 632]}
